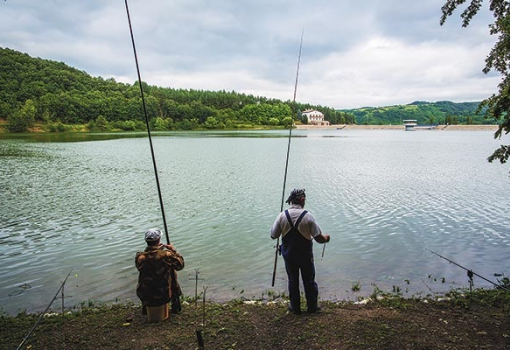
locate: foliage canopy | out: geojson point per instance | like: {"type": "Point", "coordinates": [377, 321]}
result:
{"type": "Point", "coordinates": [441, 112]}
{"type": "Point", "coordinates": [64, 95]}
{"type": "Point", "coordinates": [498, 59]}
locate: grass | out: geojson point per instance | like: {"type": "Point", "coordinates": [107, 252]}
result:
{"type": "Point", "coordinates": [459, 320]}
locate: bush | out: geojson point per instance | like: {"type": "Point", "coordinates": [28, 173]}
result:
{"type": "Point", "coordinates": [21, 120]}
{"type": "Point", "coordinates": [274, 121]}
{"type": "Point", "coordinates": [160, 124]}
{"type": "Point", "coordinates": [126, 125]}
{"type": "Point", "coordinates": [211, 123]}
{"type": "Point", "coordinates": [287, 121]}
{"type": "Point", "coordinates": [101, 123]}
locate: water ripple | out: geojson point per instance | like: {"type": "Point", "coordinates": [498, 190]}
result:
{"type": "Point", "coordinates": [383, 196]}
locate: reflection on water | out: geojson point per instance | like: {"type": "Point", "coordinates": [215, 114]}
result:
{"type": "Point", "coordinates": [383, 195]}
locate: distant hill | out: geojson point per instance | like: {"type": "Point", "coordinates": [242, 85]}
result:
{"type": "Point", "coordinates": [424, 112]}
{"type": "Point", "coordinates": [55, 94]}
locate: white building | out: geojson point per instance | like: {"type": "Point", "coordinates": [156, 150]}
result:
{"type": "Point", "coordinates": [315, 117]}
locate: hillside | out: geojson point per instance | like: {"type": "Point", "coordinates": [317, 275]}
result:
{"type": "Point", "coordinates": [58, 97]}
{"type": "Point", "coordinates": [442, 112]}
{"type": "Point", "coordinates": [56, 94]}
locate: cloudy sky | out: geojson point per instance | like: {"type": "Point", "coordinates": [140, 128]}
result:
{"type": "Point", "coordinates": [355, 52]}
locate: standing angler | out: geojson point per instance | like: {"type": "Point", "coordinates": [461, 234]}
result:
{"type": "Point", "coordinates": [298, 229]}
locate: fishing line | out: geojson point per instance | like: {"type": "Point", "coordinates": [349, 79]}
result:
{"type": "Point", "coordinates": [470, 273]}
{"type": "Point", "coordinates": [277, 247]}
{"type": "Point", "coordinates": [147, 123]}
{"type": "Point", "coordinates": [61, 288]}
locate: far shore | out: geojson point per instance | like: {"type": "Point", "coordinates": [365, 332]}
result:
{"type": "Point", "coordinates": [399, 127]}
{"type": "Point", "coordinates": [38, 127]}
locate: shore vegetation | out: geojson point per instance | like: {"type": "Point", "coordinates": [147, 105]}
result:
{"type": "Point", "coordinates": [458, 320]}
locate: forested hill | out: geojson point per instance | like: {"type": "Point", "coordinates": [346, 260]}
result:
{"type": "Point", "coordinates": [58, 96]}
{"type": "Point", "coordinates": [424, 112]}
{"type": "Point", "coordinates": [35, 89]}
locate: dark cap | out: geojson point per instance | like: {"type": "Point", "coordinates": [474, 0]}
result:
{"type": "Point", "coordinates": [296, 195]}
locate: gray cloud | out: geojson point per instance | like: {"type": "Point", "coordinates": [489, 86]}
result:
{"type": "Point", "coordinates": [355, 53]}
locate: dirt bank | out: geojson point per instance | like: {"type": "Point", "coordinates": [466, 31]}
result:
{"type": "Point", "coordinates": [465, 323]}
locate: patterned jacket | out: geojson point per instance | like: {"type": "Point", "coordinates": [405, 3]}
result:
{"type": "Point", "coordinates": [157, 277]}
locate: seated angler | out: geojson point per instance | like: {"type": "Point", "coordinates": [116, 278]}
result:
{"type": "Point", "coordinates": [157, 266]}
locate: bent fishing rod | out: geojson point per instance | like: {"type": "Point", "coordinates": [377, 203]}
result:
{"type": "Point", "coordinates": [46, 310]}
{"type": "Point", "coordinates": [147, 123]}
{"type": "Point", "coordinates": [470, 273]}
{"type": "Point", "coordinates": [277, 247]}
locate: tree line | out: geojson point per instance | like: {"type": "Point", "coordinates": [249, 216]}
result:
{"type": "Point", "coordinates": [59, 96]}
{"type": "Point", "coordinates": [425, 113]}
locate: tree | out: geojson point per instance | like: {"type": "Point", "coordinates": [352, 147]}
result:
{"type": "Point", "coordinates": [21, 120]}
{"type": "Point", "coordinates": [101, 123]}
{"type": "Point", "coordinates": [252, 113]}
{"type": "Point", "coordinates": [498, 105]}
{"type": "Point", "coordinates": [201, 112]}
{"type": "Point", "coordinates": [287, 121]}
{"type": "Point", "coordinates": [273, 121]}
{"type": "Point", "coordinates": [63, 95]}
{"type": "Point", "coordinates": [158, 124]}
{"type": "Point", "coordinates": [211, 123]}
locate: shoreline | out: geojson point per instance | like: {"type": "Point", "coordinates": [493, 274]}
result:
{"type": "Point", "coordinates": [37, 128]}
{"type": "Point", "coordinates": [397, 127]}
{"type": "Point", "coordinates": [460, 321]}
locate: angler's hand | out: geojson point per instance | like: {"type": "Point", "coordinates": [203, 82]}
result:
{"type": "Point", "coordinates": [322, 238]}
{"type": "Point", "coordinates": [169, 247]}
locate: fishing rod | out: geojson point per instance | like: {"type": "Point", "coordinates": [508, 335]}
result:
{"type": "Point", "coordinates": [470, 273]}
{"type": "Point", "coordinates": [44, 312]}
{"type": "Point", "coordinates": [147, 123]}
{"type": "Point", "coordinates": [277, 247]}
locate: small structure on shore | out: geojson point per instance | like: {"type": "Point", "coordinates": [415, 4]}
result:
{"type": "Point", "coordinates": [315, 117]}
{"type": "Point", "coordinates": [409, 124]}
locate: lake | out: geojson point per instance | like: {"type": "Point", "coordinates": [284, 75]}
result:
{"type": "Point", "coordinates": [83, 202]}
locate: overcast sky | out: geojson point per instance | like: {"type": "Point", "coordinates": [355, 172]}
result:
{"type": "Point", "coordinates": [355, 53]}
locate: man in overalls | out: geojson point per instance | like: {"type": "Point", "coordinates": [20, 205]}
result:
{"type": "Point", "coordinates": [298, 229]}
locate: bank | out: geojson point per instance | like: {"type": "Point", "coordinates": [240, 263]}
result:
{"type": "Point", "coordinates": [39, 127]}
{"type": "Point", "coordinates": [398, 127]}
{"type": "Point", "coordinates": [478, 320]}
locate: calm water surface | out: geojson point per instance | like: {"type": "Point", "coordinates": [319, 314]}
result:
{"type": "Point", "coordinates": [383, 195]}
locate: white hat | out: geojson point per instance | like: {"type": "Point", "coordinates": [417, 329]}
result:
{"type": "Point", "coordinates": [153, 235]}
